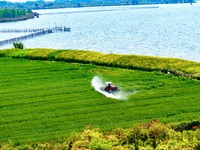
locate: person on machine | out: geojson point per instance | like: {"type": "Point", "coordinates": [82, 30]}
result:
{"type": "Point", "coordinates": [109, 87]}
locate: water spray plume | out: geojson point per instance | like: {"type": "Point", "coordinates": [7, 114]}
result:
{"type": "Point", "coordinates": [97, 83]}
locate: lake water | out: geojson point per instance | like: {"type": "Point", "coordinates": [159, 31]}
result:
{"type": "Point", "coordinates": [155, 30]}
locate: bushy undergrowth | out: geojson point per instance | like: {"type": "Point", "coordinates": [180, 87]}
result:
{"type": "Point", "coordinates": [154, 135]}
{"type": "Point", "coordinates": [167, 65]}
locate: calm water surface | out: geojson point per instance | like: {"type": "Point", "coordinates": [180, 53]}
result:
{"type": "Point", "coordinates": [159, 30]}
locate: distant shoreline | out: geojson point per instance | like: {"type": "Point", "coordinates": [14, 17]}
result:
{"type": "Point", "coordinates": [21, 18]}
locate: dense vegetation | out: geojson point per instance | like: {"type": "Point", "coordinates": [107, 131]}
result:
{"type": "Point", "coordinates": [153, 135]}
{"type": "Point", "coordinates": [84, 3]}
{"type": "Point", "coordinates": [167, 65]}
{"type": "Point", "coordinates": [15, 14]}
{"type": "Point", "coordinates": [12, 13]}
{"type": "Point", "coordinates": [47, 100]}
{"type": "Point", "coordinates": [18, 45]}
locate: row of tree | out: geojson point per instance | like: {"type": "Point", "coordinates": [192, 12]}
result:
{"type": "Point", "coordinates": [83, 3]}
{"type": "Point", "coordinates": [13, 13]}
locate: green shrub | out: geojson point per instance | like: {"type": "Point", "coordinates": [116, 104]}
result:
{"type": "Point", "coordinates": [135, 134]}
{"type": "Point", "coordinates": [157, 131]}
{"type": "Point", "coordinates": [100, 144]}
{"type": "Point", "coordinates": [18, 45]}
{"type": "Point", "coordinates": [121, 135]}
{"type": "Point", "coordinates": [187, 125]}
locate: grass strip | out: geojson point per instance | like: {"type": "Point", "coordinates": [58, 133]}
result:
{"type": "Point", "coordinates": [172, 66]}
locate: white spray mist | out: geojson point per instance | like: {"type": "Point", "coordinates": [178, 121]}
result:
{"type": "Point", "coordinates": [97, 83]}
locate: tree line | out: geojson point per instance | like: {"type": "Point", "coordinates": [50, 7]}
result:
{"type": "Point", "coordinates": [84, 3]}
{"type": "Point", "coordinates": [13, 13]}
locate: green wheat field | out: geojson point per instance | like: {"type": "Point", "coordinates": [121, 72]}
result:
{"type": "Point", "coordinates": [42, 100]}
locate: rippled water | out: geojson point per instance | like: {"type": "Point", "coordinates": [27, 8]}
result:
{"type": "Point", "coordinates": [159, 30]}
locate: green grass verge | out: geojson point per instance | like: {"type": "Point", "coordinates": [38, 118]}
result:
{"type": "Point", "coordinates": [147, 63]}
{"type": "Point", "coordinates": [46, 100]}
